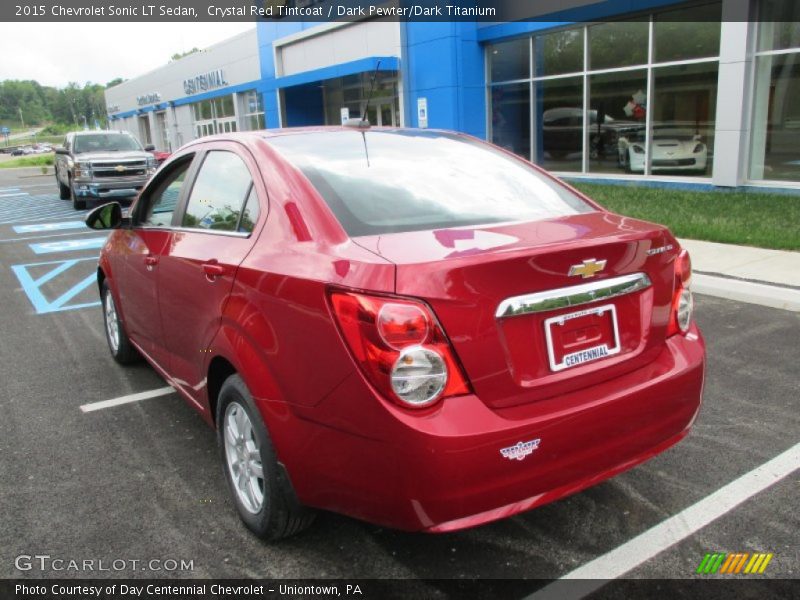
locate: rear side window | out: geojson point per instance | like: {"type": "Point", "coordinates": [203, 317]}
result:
{"type": "Point", "coordinates": [378, 182]}
{"type": "Point", "coordinates": [250, 212]}
{"type": "Point", "coordinates": [219, 193]}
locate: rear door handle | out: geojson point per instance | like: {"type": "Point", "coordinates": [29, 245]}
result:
{"type": "Point", "coordinates": [213, 270]}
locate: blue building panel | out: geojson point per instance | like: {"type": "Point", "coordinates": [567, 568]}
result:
{"type": "Point", "coordinates": [364, 65]}
{"type": "Point", "coordinates": [304, 105]}
{"type": "Point", "coordinates": [446, 65]}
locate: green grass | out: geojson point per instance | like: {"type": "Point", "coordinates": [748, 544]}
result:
{"type": "Point", "coordinates": [748, 219]}
{"type": "Point", "coordinates": [40, 160]}
{"type": "Point", "coordinates": [54, 140]}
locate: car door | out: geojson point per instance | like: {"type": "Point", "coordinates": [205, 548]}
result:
{"type": "Point", "coordinates": [216, 231]}
{"type": "Point", "coordinates": [141, 249]}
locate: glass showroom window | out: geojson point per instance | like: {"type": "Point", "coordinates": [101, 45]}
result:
{"type": "Point", "coordinates": [616, 120]}
{"type": "Point", "coordinates": [212, 116]}
{"type": "Point", "coordinates": [351, 92]}
{"type": "Point", "coordinates": [558, 99]}
{"type": "Point", "coordinates": [593, 89]}
{"type": "Point", "coordinates": [511, 117]}
{"type": "Point", "coordinates": [776, 102]}
{"type": "Point", "coordinates": [559, 108]}
{"type": "Point", "coordinates": [253, 110]}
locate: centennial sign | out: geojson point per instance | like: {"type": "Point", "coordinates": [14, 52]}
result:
{"type": "Point", "coordinates": [204, 82]}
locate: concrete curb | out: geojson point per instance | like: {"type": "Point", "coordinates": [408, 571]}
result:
{"type": "Point", "coordinates": [745, 291]}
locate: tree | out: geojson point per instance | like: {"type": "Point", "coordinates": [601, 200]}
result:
{"type": "Point", "coordinates": [41, 104]}
{"type": "Point", "coordinates": [180, 55]}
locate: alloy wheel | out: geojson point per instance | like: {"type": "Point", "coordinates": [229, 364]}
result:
{"type": "Point", "coordinates": [243, 458]}
{"type": "Point", "coordinates": [112, 324]}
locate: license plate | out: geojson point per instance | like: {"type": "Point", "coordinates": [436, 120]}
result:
{"type": "Point", "coordinates": [581, 337]}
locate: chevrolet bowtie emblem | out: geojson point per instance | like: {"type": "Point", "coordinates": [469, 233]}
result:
{"type": "Point", "coordinates": [119, 168]}
{"type": "Point", "coordinates": [587, 268]}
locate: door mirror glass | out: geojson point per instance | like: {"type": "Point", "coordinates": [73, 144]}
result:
{"type": "Point", "coordinates": [149, 148]}
{"type": "Point", "coordinates": [108, 216]}
{"type": "Point", "coordinates": [62, 150]}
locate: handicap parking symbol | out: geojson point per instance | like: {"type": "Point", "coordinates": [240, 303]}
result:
{"type": "Point", "coordinates": [33, 286]}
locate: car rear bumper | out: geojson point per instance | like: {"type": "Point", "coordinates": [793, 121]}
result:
{"type": "Point", "coordinates": [444, 471]}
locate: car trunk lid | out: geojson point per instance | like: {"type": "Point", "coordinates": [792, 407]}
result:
{"type": "Point", "coordinates": [471, 276]}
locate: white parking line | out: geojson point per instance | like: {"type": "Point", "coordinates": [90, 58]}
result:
{"type": "Point", "coordinates": [93, 406]}
{"type": "Point", "coordinates": [596, 573]}
{"type": "Point", "coordinates": [43, 237]}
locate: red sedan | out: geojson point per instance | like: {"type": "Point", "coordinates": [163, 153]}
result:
{"type": "Point", "coordinates": [414, 328]}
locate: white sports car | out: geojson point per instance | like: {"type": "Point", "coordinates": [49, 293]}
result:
{"type": "Point", "coordinates": [672, 151]}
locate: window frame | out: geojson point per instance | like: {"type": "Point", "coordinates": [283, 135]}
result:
{"type": "Point", "coordinates": [755, 55]}
{"type": "Point", "coordinates": [650, 65]}
{"type": "Point", "coordinates": [183, 202]}
{"type": "Point", "coordinates": [157, 185]}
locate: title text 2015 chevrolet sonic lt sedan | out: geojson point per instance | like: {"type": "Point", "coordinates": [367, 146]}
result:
{"type": "Point", "coordinates": [414, 328]}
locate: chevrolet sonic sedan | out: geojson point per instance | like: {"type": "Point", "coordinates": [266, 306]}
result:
{"type": "Point", "coordinates": [411, 327]}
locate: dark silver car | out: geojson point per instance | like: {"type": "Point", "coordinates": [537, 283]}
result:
{"type": "Point", "coordinates": [100, 165]}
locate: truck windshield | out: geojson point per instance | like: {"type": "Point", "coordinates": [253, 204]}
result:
{"type": "Point", "coordinates": [378, 182]}
{"type": "Point", "coordinates": [105, 142]}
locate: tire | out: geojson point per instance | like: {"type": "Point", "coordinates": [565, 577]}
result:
{"type": "Point", "coordinates": [77, 203]}
{"type": "Point", "coordinates": [628, 162]}
{"type": "Point", "coordinates": [63, 190]}
{"type": "Point", "coordinates": [267, 504]}
{"type": "Point", "coordinates": [118, 342]}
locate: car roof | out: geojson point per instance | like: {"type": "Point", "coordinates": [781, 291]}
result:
{"type": "Point", "coordinates": [103, 131]}
{"type": "Point", "coordinates": [252, 139]}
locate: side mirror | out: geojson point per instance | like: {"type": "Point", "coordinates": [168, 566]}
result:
{"type": "Point", "coordinates": [149, 148]}
{"type": "Point", "coordinates": [61, 150]}
{"type": "Point", "coordinates": [107, 216]}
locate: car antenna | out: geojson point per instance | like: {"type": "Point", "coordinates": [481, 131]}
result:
{"type": "Point", "coordinates": [365, 118]}
{"type": "Point", "coordinates": [363, 122]}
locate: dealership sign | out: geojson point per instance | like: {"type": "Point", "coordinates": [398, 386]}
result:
{"type": "Point", "coordinates": [204, 82]}
{"type": "Point", "coordinates": [148, 98]}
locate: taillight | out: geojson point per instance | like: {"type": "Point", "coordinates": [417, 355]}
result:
{"type": "Point", "coordinates": [682, 302]}
{"type": "Point", "coordinates": [400, 347]}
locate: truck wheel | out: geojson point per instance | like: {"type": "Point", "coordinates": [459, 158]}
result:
{"type": "Point", "coordinates": [63, 190]}
{"type": "Point", "coordinates": [77, 203]}
{"type": "Point", "coordinates": [261, 491]}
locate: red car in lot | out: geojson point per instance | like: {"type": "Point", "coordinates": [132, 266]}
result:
{"type": "Point", "coordinates": [414, 328]}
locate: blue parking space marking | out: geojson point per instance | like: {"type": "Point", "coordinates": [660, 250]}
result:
{"type": "Point", "coordinates": [32, 287]}
{"type": "Point", "coordinates": [37, 227]}
{"type": "Point", "coordinates": [18, 207]}
{"type": "Point", "coordinates": [68, 245]}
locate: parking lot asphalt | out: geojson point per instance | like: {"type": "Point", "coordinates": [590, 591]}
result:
{"type": "Point", "coordinates": [143, 480]}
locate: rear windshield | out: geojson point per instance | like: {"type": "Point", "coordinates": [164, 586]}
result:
{"type": "Point", "coordinates": [105, 142]}
{"type": "Point", "coordinates": [378, 182]}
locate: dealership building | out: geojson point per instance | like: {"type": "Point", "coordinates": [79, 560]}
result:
{"type": "Point", "coordinates": [699, 93]}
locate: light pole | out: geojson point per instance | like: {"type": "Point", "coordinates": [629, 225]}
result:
{"type": "Point", "coordinates": [20, 118]}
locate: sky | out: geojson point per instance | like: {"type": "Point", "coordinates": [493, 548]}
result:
{"type": "Point", "coordinates": [57, 53]}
